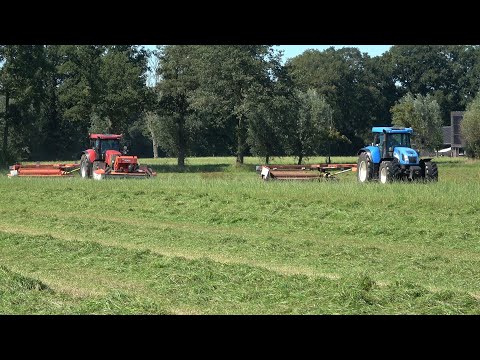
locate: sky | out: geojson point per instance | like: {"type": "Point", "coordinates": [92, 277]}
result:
{"type": "Point", "coordinates": [290, 51]}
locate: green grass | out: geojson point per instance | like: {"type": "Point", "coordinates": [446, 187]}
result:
{"type": "Point", "coordinates": [215, 239]}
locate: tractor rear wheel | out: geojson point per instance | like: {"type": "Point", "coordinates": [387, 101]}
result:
{"type": "Point", "coordinates": [430, 171]}
{"type": "Point", "coordinates": [364, 168]}
{"type": "Point", "coordinates": [85, 168]}
{"type": "Point", "coordinates": [389, 171]}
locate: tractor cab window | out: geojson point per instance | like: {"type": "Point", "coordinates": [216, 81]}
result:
{"type": "Point", "coordinates": [402, 140]}
{"type": "Point", "coordinates": [112, 144]}
{"type": "Point", "coordinates": [94, 143]}
{"type": "Point", "coordinates": [381, 140]}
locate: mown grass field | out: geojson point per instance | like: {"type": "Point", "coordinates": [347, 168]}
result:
{"type": "Point", "coordinates": [215, 239]}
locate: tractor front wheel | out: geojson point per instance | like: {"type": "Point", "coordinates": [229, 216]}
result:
{"type": "Point", "coordinates": [364, 168]}
{"type": "Point", "coordinates": [389, 171]}
{"type": "Point", "coordinates": [85, 168]}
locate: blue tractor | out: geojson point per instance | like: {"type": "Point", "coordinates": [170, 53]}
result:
{"type": "Point", "coordinates": [390, 158]}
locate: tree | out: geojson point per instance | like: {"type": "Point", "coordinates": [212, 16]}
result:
{"type": "Point", "coordinates": [52, 146]}
{"type": "Point", "coordinates": [313, 125]}
{"type": "Point", "coordinates": [230, 78]}
{"type": "Point", "coordinates": [153, 130]}
{"type": "Point", "coordinates": [352, 83]}
{"type": "Point", "coordinates": [99, 124]}
{"type": "Point", "coordinates": [422, 113]}
{"type": "Point", "coordinates": [449, 73]}
{"type": "Point", "coordinates": [177, 118]}
{"type": "Point", "coordinates": [123, 74]}
{"type": "Point", "coordinates": [22, 79]}
{"type": "Point", "coordinates": [470, 127]}
{"type": "Point", "coordinates": [151, 120]}
{"type": "Point", "coordinates": [79, 90]}
{"type": "Point", "coordinates": [270, 114]}
{"type": "Point", "coordinates": [266, 125]}
{"type": "Point", "coordinates": [100, 87]}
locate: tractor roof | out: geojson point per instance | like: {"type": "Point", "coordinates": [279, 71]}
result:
{"type": "Point", "coordinates": [392, 130]}
{"type": "Point", "coordinates": [105, 136]}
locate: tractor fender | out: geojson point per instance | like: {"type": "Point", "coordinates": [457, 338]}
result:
{"type": "Point", "coordinates": [373, 153]}
{"type": "Point", "coordinates": [362, 150]}
{"type": "Point", "coordinates": [90, 155]}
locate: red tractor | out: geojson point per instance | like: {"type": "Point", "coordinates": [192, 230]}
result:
{"type": "Point", "coordinates": [104, 159]}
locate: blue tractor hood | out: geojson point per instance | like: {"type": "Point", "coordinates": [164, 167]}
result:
{"type": "Point", "coordinates": [405, 155]}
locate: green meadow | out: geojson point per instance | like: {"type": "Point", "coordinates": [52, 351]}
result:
{"type": "Point", "coordinates": [216, 239]}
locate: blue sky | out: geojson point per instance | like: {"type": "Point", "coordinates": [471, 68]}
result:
{"type": "Point", "coordinates": [290, 51]}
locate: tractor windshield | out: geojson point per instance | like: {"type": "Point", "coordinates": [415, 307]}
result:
{"type": "Point", "coordinates": [112, 144]}
{"type": "Point", "coordinates": [402, 140]}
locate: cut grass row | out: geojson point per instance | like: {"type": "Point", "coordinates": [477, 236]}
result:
{"type": "Point", "coordinates": [311, 247]}
{"type": "Point", "coordinates": [142, 282]}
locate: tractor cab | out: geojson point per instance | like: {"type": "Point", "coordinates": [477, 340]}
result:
{"type": "Point", "coordinates": [391, 140]}
{"type": "Point", "coordinates": [101, 143]}
{"type": "Point", "coordinates": [394, 142]}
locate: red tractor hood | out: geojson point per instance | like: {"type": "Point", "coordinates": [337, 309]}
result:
{"type": "Point", "coordinates": [109, 154]}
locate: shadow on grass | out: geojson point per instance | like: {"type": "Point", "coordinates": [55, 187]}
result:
{"type": "Point", "coordinates": [218, 168]}
{"type": "Point", "coordinates": [453, 162]}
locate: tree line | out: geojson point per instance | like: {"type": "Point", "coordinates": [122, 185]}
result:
{"type": "Point", "coordinates": [225, 100]}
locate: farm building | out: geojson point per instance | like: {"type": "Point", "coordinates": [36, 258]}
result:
{"type": "Point", "coordinates": [453, 142]}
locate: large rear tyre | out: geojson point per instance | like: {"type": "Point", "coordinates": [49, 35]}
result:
{"type": "Point", "coordinates": [430, 171]}
{"type": "Point", "coordinates": [85, 168]}
{"type": "Point", "coordinates": [364, 168]}
{"type": "Point", "coordinates": [389, 171]}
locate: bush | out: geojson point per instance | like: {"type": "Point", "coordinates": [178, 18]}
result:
{"type": "Point", "coordinates": [470, 128]}
{"type": "Point", "coordinates": [422, 113]}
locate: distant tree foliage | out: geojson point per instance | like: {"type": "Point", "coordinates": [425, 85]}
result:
{"type": "Point", "coordinates": [358, 89]}
{"type": "Point", "coordinates": [422, 113]}
{"type": "Point", "coordinates": [177, 120]}
{"type": "Point", "coordinates": [99, 125]}
{"type": "Point", "coordinates": [226, 100]}
{"type": "Point", "coordinates": [23, 77]}
{"type": "Point", "coordinates": [232, 80]}
{"type": "Point", "coordinates": [312, 126]}
{"type": "Point", "coordinates": [123, 76]}
{"type": "Point", "coordinates": [470, 128]}
{"type": "Point", "coordinates": [448, 73]}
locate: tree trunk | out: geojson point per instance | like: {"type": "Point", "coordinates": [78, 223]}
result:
{"type": "Point", "coordinates": [150, 128]}
{"type": "Point", "coordinates": [267, 159]}
{"type": "Point", "coordinates": [5, 129]}
{"type": "Point", "coordinates": [300, 158]}
{"type": "Point", "coordinates": [239, 158]}
{"type": "Point", "coordinates": [240, 141]}
{"type": "Point", "coordinates": [181, 142]}
{"type": "Point", "coordinates": [155, 147]}
{"type": "Point", "coordinates": [181, 157]}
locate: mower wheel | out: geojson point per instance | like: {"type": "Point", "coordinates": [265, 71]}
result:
{"type": "Point", "coordinates": [430, 171]}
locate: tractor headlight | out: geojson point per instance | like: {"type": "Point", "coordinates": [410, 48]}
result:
{"type": "Point", "coordinates": [405, 157]}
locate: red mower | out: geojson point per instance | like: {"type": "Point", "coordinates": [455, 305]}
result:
{"type": "Point", "coordinates": [105, 160]}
